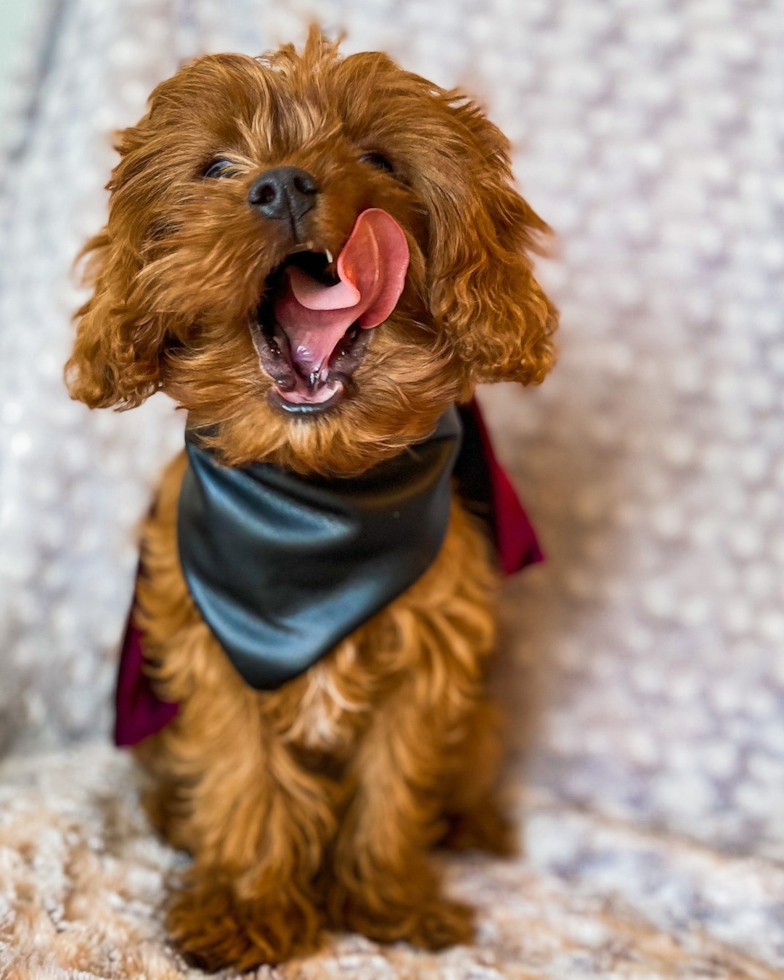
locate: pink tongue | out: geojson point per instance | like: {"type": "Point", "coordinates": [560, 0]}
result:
{"type": "Point", "coordinates": [372, 272]}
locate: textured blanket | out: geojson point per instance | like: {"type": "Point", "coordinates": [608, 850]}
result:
{"type": "Point", "coordinates": [82, 885]}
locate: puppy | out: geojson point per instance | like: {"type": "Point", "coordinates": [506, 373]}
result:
{"type": "Point", "coordinates": [316, 257]}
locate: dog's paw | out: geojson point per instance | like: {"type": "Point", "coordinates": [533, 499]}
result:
{"type": "Point", "coordinates": [214, 930]}
{"type": "Point", "coordinates": [485, 829]}
{"type": "Point", "coordinates": [443, 923]}
{"type": "Point", "coordinates": [431, 923]}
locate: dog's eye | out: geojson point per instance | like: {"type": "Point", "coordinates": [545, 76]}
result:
{"type": "Point", "coordinates": [378, 161]}
{"type": "Point", "coordinates": [220, 168]}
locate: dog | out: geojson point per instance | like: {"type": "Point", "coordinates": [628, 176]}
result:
{"type": "Point", "coordinates": [317, 257]}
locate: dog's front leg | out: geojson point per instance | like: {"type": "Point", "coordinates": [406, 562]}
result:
{"type": "Point", "coordinates": [258, 835]}
{"type": "Point", "coordinates": [384, 885]}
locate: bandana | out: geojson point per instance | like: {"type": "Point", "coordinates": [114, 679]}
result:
{"type": "Point", "coordinates": [283, 567]}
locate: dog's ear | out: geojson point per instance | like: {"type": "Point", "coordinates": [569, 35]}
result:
{"type": "Point", "coordinates": [119, 350]}
{"type": "Point", "coordinates": [116, 360]}
{"type": "Point", "coordinates": [482, 289]}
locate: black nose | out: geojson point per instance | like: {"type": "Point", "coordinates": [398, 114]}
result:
{"type": "Point", "coordinates": [283, 193]}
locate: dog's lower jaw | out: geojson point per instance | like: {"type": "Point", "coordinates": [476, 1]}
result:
{"type": "Point", "coordinates": [399, 714]}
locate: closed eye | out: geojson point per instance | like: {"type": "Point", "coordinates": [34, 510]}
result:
{"type": "Point", "coordinates": [377, 160]}
{"type": "Point", "coordinates": [220, 168]}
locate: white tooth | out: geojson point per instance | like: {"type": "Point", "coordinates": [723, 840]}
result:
{"type": "Point", "coordinates": [328, 255]}
{"type": "Point", "coordinates": [324, 373]}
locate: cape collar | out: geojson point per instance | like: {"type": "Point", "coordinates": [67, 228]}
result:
{"type": "Point", "coordinates": [283, 567]}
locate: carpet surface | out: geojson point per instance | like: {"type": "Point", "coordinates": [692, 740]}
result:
{"type": "Point", "coordinates": [644, 663]}
{"type": "Point", "coordinates": [82, 882]}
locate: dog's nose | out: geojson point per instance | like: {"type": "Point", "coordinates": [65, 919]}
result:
{"type": "Point", "coordinates": [283, 193]}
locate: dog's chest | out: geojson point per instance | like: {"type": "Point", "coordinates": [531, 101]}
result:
{"type": "Point", "coordinates": [327, 709]}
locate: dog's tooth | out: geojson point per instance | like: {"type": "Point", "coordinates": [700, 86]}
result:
{"type": "Point", "coordinates": [328, 255]}
{"type": "Point", "coordinates": [324, 373]}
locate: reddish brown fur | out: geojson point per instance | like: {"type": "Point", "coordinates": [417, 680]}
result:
{"type": "Point", "coordinates": [317, 803]}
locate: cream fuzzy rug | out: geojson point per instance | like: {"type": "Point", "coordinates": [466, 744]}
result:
{"type": "Point", "coordinates": [82, 880]}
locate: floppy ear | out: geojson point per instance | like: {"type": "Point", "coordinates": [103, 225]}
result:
{"type": "Point", "coordinates": [482, 288]}
{"type": "Point", "coordinates": [118, 354]}
{"type": "Point", "coordinates": [116, 360]}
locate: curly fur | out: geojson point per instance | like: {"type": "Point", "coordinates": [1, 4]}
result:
{"type": "Point", "coordinates": [315, 804]}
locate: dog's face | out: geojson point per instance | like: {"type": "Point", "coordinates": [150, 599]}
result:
{"type": "Point", "coordinates": [314, 255]}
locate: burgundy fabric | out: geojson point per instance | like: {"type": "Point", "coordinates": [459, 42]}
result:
{"type": "Point", "coordinates": [514, 537]}
{"type": "Point", "coordinates": [140, 713]}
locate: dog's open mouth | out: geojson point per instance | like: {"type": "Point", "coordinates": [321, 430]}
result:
{"type": "Point", "coordinates": [313, 326]}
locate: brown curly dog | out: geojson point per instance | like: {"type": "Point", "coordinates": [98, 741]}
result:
{"type": "Point", "coordinates": [315, 804]}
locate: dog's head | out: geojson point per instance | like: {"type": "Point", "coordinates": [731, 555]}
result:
{"type": "Point", "coordinates": [315, 255]}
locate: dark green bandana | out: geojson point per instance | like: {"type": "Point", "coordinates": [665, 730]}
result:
{"type": "Point", "coordinates": [284, 567]}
